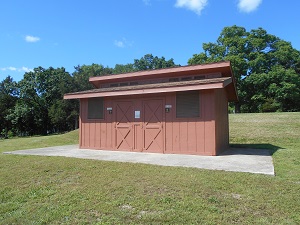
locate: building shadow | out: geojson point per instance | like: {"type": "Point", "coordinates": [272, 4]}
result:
{"type": "Point", "coordinates": [251, 149]}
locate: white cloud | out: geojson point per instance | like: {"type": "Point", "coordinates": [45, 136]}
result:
{"type": "Point", "coordinates": [194, 5]}
{"type": "Point", "coordinates": [123, 43]}
{"type": "Point", "coordinates": [11, 68]}
{"type": "Point", "coordinates": [119, 44]}
{"type": "Point", "coordinates": [8, 68]}
{"type": "Point", "coordinates": [25, 69]}
{"type": "Point", "coordinates": [29, 38]}
{"type": "Point", "coordinates": [248, 5]}
{"type": "Point", "coordinates": [147, 2]}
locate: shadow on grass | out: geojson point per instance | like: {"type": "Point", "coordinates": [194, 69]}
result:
{"type": "Point", "coordinates": [251, 149]}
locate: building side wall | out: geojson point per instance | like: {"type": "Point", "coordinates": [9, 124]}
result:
{"type": "Point", "coordinates": [222, 122]}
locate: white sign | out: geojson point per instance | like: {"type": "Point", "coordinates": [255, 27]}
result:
{"type": "Point", "coordinates": [137, 114]}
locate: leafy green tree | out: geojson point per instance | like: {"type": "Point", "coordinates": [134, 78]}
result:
{"type": "Point", "coordinates": [39, 90]}
{"type": "Point", "coordinates": [254, 52]}
{"type": "Point", "coordinates": [64, 115]}
{"type": "Point", "coordinates": [277, 90]}
{"type": "Point", "coordinates": [22, 117]}
{"type": "Point", "coordinates": [82, 74]}
{"type": "Point", "coordinates": [127, 68]}
{"type": "Point", "coordinates": [8, 98]}
{"type": "Point", "coordinates": [149, 62]}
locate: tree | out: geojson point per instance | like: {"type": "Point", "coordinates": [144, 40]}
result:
{"type": "Point", "coordinates": [83, 73]}
{"type": "Point", "coordinates": [277, 90]}
{"type": "Point", "coordinates": [40, 91]}
{"type": "Point", "coordinates": [254, 52]}
{"type": "Point", "coordinates": [149, 62]}
{"type": "Point", "coordinates": [127, 68]}
{"type": "Point", "coordinates": [8, 98]}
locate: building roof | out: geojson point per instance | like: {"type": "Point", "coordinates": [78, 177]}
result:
{"type": "Point", "coordinates": [220, 67]}
{"type": "Point", "coordinates": [225, 81]}
{"type": "Point", "coordinates": [153, 88]}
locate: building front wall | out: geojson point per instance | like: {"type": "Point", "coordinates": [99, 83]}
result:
{"type": "Point", "coordinates": [140, 123]}
{"type": "Point", "coordinates": [191, 135]}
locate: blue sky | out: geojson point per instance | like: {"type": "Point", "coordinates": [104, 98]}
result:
{"type": "Point", "coordinates": [65, 33]}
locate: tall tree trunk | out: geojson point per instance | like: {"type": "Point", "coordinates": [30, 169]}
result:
{"type": "Point", "coordinates": [237, 107]}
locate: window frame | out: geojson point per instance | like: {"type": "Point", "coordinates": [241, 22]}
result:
{"type": "Point", "coordinates": [183, 104]}
{"type": "Point", "coordinates": [91, 116]}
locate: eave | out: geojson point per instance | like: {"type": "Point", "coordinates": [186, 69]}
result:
{"type": "Point", "coordinates": [155, 88]}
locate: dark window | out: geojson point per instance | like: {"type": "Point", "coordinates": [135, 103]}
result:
{"type": "Point", "coordinates": [114, 85]}
{"type": "Point", "coordinates": [199, 77]}
{"type": "Point", "coordinates": [123, 84]}
{"type": "Point", "coordinates": [95, 108]}
{"type": "Point", "coordinates": [187, 104]}
{"type": "Point", "coordinates": [186, 78]}
{"type": "Point", "coordinates": [173, 79]}
{"type": "Point", "coordinates": [134, 83]}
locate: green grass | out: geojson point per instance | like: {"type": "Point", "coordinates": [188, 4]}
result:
{"type": "Point", "coordinates": [58, 190]}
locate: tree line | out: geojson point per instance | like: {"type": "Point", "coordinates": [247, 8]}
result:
{"type": "Point", "coordinates": [35, 105]}
{"type": "Point", "coordinates": [266, 68]}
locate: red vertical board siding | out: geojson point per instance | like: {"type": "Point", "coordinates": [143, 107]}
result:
{"type": "Point", "coordinates": [183, 136]}
{"type": "Point", "coordinates": [109, 125]}
{"type": "Point", "coordinates": [199, 126]}
{"type": "Point", "coordinates": [209, 118]}
{"type": "Point", "coordinates": [176, 136]}
{"type": "Point", "coordinates": [222, 123]}
{"type": "Point", "coordinates": [83, 116]}
{"type": "Point", "coordinates": [80, 122]}
{"type": "Point", "coordinates": [200, 137]}
{"type": "Point", "coordinates": [97, 136]}
{"type": "Point", "coordinates": [186, 135]}
{"type": "Point", "coordinates": [138, 127]}
{"type": "Point", "coordinates": [192, 136]}
{"type": "Point", "coordinates": [92, 128]}
{"type": "Point", "coordinates": [204, 135]}
{"type": "Point", "coordinates": [168, 124]}
{"type": "Point", "coordinates": [102, 133]}
{"type": "Point", "coordinates": [94, 134]}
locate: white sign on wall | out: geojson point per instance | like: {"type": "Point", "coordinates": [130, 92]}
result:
{"type": "Point", "coordinates": [137, 114]}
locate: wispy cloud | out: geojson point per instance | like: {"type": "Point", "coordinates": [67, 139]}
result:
{"type": "Point", "coordinates": [248, 5]}
{"type": "Point", "coordinates": [30, 38]}
{"type": "Point", "coordinates": [123, 43]}
{"type": "Point", "coordinates": [119, 44]}
{"type": "Point", "coordinates": [21, 69]}
{"type": "Point", "coordinates": [194, 5]}
{"type": "Point", "coordinates": [147, 2]}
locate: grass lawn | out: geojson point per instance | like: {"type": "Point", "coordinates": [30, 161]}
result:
{"type": "Point", "coordinates": [58, 190]}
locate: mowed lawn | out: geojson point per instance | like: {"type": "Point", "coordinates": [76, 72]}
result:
{"type": "Point", "coordinates": [58, 190]}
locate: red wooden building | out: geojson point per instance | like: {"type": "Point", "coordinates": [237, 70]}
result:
{"type": "Point", "coordinates": [182, 110]}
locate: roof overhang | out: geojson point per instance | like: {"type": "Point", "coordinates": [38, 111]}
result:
{"type": "Point", "coordinates": [223, 67]}
{"type": "Point", "coordinates": [215, 83]}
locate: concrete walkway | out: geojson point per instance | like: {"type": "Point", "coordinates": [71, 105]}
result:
{"type": "Point", "coordinates": [238, 160]}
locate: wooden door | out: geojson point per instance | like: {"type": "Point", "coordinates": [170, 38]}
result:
{"type": "Point", "coordinates": [153, 135]}
{"type": "Point", "coordinates": [124, 119]}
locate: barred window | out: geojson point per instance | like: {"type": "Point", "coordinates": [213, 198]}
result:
{"type": "Point", "coordinates": [187, 104]}
{"type": "Point", "coordinates": [95, 108]}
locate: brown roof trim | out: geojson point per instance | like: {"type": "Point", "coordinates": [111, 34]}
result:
{"type": "Point", "coordinates": [171, 70]}
{"type": "Point", "coordinates": [153, 88]}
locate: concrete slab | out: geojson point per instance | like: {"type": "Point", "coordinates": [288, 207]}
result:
{"type": "Point", "coordinates": [237, 160]}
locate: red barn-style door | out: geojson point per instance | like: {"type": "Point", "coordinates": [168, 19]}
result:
{"type": "Point", "coordinates": [124, 131]}
{"type": "Point", "coordinates": [153, 135]}
{"type": "Point", "coordinates": [139, 125]}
